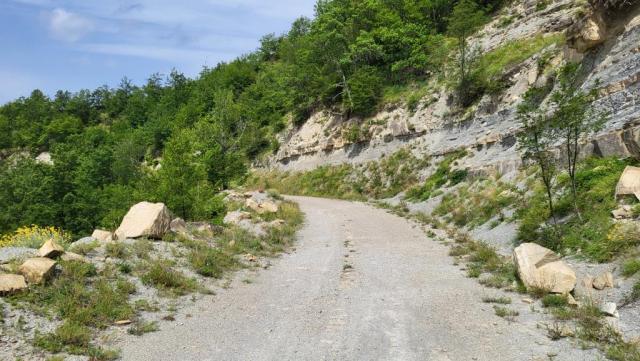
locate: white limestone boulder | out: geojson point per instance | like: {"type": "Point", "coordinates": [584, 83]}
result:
{"type": "Point", "coordinates": [152, 220]}
{"type": "Point", "coordinates": [539, 267]}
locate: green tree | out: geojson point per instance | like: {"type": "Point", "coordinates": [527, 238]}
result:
{"type": "Point", "coordinates": [536, 139]}
{"type": "Point", "coordinates": [465, 19]}
{"type": "Point", "coordinates": [574, 118]}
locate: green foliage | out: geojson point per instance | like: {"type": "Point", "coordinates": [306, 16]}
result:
{"type": "Point", "coordinates": [180, 140]}
{"type": "Point", "coordinates": [466, 18]}
{"type": "Point", "coordinates": [84, 300]}
{"type": "Point", "coordinates": [441, 177]}
{"type": "Point", "coordinates": [631, 267]}
{"type": "Point", "coordinates": [162, 275]}
{"type": "Point", "coordinates": [494, 63]}
{"type": "Point", "coordinates": [552, 300]}
{"type": "Point", "coordinates": [211, 262]}
{"type": "Point", "coordinates": [473, 205]}
{"type": "Point", "coordinates": [595, 236]}
{"type": "Point", "coordinates": [376, 179]}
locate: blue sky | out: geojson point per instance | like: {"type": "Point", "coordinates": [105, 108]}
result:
{"type": "Point", "coordinates": [76, 44]}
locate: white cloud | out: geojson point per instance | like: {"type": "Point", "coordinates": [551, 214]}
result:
{"type": "Point", "coordinates": [67, 26]}
{"type": "Point", "coordinates": [157, 52]}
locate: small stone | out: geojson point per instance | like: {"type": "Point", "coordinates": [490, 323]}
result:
{"type": "Point", "coordinates": [50, 249]}
{"type": "Point", "coordinates": [527, 300]}
{"type": "Point", "coordinates": [36, 270]}
{"type": "Point", "coordinates": [10, 283]}
{"type": "Point", "coordinates": [566, 331]}
{"type": "Point", "coordinates": [571, 301]}
{"type": "Point", "coordinates": [610, 309]}
{"type": "Point", "coordinates": [102, 235]}
{"type": "Point", "coordinates": [603, 281]}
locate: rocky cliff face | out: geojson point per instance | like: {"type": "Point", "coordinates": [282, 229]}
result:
{"type": "Point", "coordinates": [608, 45]}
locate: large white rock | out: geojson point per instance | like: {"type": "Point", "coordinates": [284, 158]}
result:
{"type": "Point", "coordinates": [10, 283]}
{"type": "Point", "coordinates": [145, 219]}
{"type": "Point", "coordinates": [539, 267]}
{"type": "Point", "coordinates": [36, 270]}
{"type": "Point", "coordinates": [50, 249]}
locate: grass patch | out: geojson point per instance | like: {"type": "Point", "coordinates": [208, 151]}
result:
{"type": "Point", "coordinates": [441, 177]}
{"type": "Point", "coordinates": [161, 275]}
{"type": "Point", "coordinates": [84, 300]}
{"type": "Point", "coordinates": [211, 262]}
{"type": "Point", "coordinates": [553, 300]}
{"type": "Point", "coordinates": [630, 267]}
{"type": "Point", "coordinates": [505, 312]}
{"type": "Point", "coordinates": [376, 179]}
{"type": "Point", "coordinates": [140, 327]}
{"type": "Point", "coordinates": [116, 250]}
{"type": "Point", "coordinates": [84, 248]}
{"type": "Point", "coordinates": [492, 65]}
{"type": "Point", "coordinates": [596, 236]}
{"type": "Point", "coordinates": [482, 258]}
{"type": "Point", "coordinates": [498, 300]}
{"type": "Point", "coordinates": [473, 205]}
{"type": "Point", "coordinates": [142, 248]}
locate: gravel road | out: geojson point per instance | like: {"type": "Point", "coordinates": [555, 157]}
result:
{"type": "Point", "coordinates": [361, 285]}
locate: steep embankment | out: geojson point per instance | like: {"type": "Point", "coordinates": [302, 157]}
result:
{"type": "Point", "coordinates": [523, 45]}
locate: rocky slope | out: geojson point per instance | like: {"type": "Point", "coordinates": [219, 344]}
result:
{"type": "Point", "coordinates": [606, 44]}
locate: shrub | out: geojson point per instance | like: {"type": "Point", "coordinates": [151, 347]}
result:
{"type": "Point", "coordinates": [552, 300]}
{"type": "Point", "coordinates": [631, 267]}
{"type": "Point", "coordinates": [211, 262]}
{"type": "Point", "coordinates": [594, 234]}
{"type": "Point", "coordinates": [439, 178]}
{"type": "Point", "coordinates": [34, 236]}
{"type": "Point", "coordinates": [161, 275]}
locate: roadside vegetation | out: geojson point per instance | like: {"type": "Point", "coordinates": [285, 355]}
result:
{"type": "Point", "coordinates": [376, 179]}
{"type": "Point", "coordinates": [111, 286]}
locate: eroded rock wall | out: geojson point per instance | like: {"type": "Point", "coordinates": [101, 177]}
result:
{"type": "Point", "coordinates": [610, 52]}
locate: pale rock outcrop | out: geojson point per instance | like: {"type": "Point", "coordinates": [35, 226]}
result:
{"type": "Point", "coordinates": [145, 219]}
{"type": "Point", "coordinates": [589, 33]}
{"type": "Point", "coordinates": [236, 217]}
{"type": "Point", "coordinates": [102, 235]}
{"type": "Point", "coordinates": [36, 270]}
{"type": "Point", "coordinates": [50, 249]}
{"type": "Point", "coordinates": [44, 158]}
{"type": "Point", "coordinates": [10, 283]}
{"type": "Point", "coordinates": [629, 183]}
{"type": "Point", "coordinates": [262, 206]}
{"type": "Point", "coordinates": [540, 267]}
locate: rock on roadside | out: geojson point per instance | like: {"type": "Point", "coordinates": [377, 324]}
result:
{"type": "Point", "coordinates": [50, 249]}
{"type": "Point", "coordinates": [102, 235]}
{"type": "Point", "coordinates": [145, 219]}
{"type": "Point", "coordinates": [10, 283]}
{"type": "Point", "coordinates": [542, 268]}
{"type": "Point", "coordinates": [36, 270]}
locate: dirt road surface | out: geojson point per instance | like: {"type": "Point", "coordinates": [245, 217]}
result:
{"type": "Point", "coordinates": [362, 284]}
